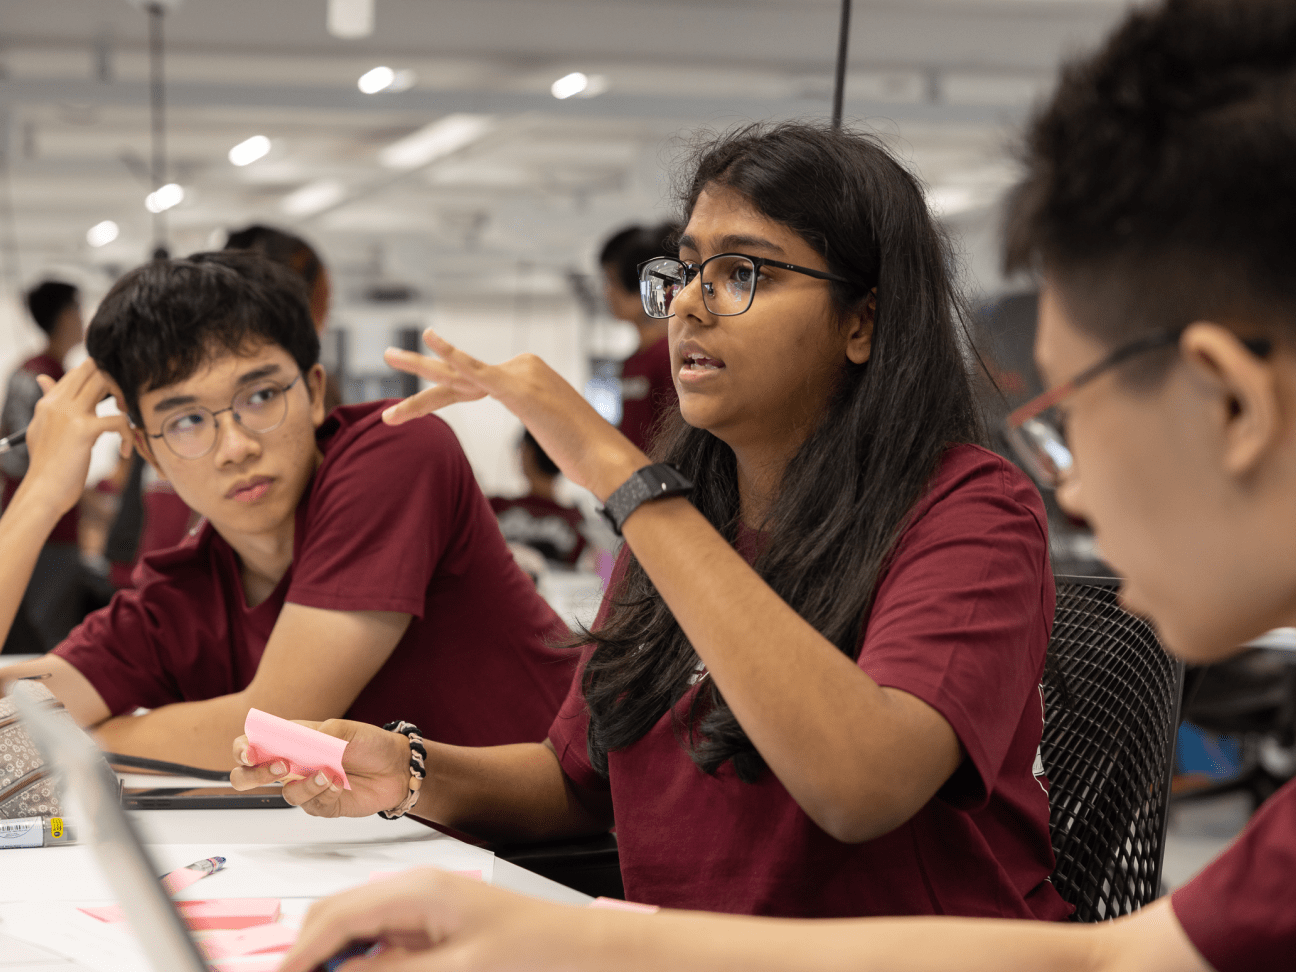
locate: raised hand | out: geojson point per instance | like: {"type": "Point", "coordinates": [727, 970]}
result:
{"type": "Point", "coordinates": [377, 765]}
{"type": "Point", "coordinates": [589, 451]}
{"type": "Point", "coordinates": [62, 433]}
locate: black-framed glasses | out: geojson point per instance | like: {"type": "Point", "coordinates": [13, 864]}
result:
{"type": "Point", "coordinates": [728, 282]}
{"type": "Point", "coordinates": [260, 407]}
{"type": "Point", "coordinates": [1036, 431]}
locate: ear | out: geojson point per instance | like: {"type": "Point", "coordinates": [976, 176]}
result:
{"type": "Point", "coordinates": [859, 321]}
{"type": "Point", "coordinates": [315, 379]}
{"type": "Point", "coordinates": [1245, 390]}
{"type": "Point", "coordinates": [144, 446]}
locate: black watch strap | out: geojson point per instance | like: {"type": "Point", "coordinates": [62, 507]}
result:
{"type": "Point", "coordinates": [654, 482]}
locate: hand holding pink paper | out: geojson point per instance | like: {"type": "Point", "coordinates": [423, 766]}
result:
{"type": "Point", "coordinates": [305, 751]}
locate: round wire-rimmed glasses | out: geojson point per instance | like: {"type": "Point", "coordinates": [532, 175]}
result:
{"type": "Point", "coordinates": [1036, 430]}
{"type": "Point", "coordinates": [728, 282]}
{"type": "Point", "coordinates": [261, 407]}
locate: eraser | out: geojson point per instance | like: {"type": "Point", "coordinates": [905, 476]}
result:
{"type": "Point", "coordinates": [215, 913]}
{"type": "Point", "coordinates": [306, 751]}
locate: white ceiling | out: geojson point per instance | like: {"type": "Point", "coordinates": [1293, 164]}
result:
{"type": "Point", "coordinates": [946, 81]}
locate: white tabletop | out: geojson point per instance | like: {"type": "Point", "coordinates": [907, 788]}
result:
{"type": "Point", "coordinates": [284, 854]}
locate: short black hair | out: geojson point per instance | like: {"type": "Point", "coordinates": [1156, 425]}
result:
{"type": "Point", "coordinates": [632, 245]}
{"type": "Point", "coordinates": [547, 465]}
{"type": "Point", "coordinates": [48, 300]}
{"type": "Point", "coordinates": [162, 321]}
{"type": "Point", "coordinates": [1160, 180]}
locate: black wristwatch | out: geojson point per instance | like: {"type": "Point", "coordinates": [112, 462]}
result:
{"type": "Point", "coordinates": [654, 482]}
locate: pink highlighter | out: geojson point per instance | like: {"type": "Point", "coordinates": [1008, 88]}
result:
{"type": "Point", "coordinates": [305, 751]}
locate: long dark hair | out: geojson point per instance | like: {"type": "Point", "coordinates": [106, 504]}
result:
{"type": "Point", "coordinates": [845, 496]}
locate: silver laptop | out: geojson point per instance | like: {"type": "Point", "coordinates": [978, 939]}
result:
{"type": "Point", "coordinates": [93, 787]}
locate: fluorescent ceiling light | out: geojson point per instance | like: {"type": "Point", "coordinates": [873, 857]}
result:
{"type": "Point", "coordinates": [249, 150]}
{"type": "Point", "coordinates": [163, 199]}
{"type": "Point", "coordinates": [569, 84]}
{"type": "Point", "coordinates": [313, 197]}
{"type": "Point", "coordinates": [435, 141]}
{"type": "Point", "coordinates": [101, 234]}
{"type": "Point", "coordinates": [349, 19]}
{"type": "Point", "coordinates": [576, 83]}
{"type": "Point", "coordinates": [376, 79]}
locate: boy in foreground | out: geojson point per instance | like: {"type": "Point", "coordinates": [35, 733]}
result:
{"type": "Point", "coordinates": [341, 567]}
{"type": "Point", "coordinates": [1160, 205]}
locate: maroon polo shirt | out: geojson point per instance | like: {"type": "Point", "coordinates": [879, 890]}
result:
{"type": "Point", "coordinates": [392, 520]}
{"type": "Point", "coordinates": [1240, 912]}
{"type": "Point", "coordinates": [647, 392]}
{"type": "Point", "coordinates": [961, 620]}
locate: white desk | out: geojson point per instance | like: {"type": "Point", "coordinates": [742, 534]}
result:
{"type": "Point", "coordinates": [283, 854]}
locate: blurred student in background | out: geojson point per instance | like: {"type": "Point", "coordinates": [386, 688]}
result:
{"type": "Point", "coordinates": [54, 602]}
{"type": "Point", "coordinates": [537, 520]}
{"type": "Point", "coordinates": [647, 390]}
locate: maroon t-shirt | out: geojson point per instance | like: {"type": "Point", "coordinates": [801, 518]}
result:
{"type": "Point", "coordinates": [647, 392]}
{"type": "Point", "coordinates": [961, 620]}
{"type": "Point", "coordinates": [65, 530]}
{"type": "Point", "coordinates": [1240, 912]}
{"type": "Point", "coordinates": [391, 521]}
{"type": "Point", "coordinates": [551, 528]}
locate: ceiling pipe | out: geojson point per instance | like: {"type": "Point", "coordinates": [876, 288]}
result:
{"type": "Point", "coordinates": [839, 82]}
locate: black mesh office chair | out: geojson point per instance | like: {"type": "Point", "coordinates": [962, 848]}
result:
{"type": "Point", "coordinates": [1110, 717]}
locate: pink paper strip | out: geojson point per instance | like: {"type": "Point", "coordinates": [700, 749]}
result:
{"type": "Point", "coordinates": [216, 913]}
{"type": "Point", "coordinates": [306, 751]}
{"type": "Point", "coordinates": [250, 941]}
{"type": "Point", "coordinates": [615, 904]}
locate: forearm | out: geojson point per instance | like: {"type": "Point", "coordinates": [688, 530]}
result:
{"type": "Point", "coordinates": [193, 733]}
{"type": "Point", "coordinates": [793, 692]}
{"type": "Point", "coordinates": [505, 793]}
{"type": "Point", "coordinates": [1149, 941]}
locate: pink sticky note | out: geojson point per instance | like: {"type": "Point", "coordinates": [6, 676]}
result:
{"type": "Point", "coordinates": [306, 751]}
{"type": "Point", "coordinates": [249, 941]}
{"type": "Point", "coordinates": [216, 913]}
{"type": "Point", "coordinates": [616, 904]}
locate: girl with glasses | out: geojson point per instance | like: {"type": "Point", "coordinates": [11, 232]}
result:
{"type": "Point", "coordinates": [812, 688]}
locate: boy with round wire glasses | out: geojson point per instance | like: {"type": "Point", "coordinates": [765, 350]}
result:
{"type": "Point", "coordinates": [338, 570]}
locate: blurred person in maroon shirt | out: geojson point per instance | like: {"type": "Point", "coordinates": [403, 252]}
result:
{"type": "Point", "coordinates": [537, 520]}
{"type": "Point", "coordinates": [647, 390]}
{"type": "Point", "coordinates": [53, 604]}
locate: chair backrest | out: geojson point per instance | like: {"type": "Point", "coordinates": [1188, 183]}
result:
{"type": "Point", "coordinates": [1111, 712]}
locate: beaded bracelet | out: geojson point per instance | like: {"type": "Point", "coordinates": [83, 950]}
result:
{"type": "Point", "coordinates": [418, 769]}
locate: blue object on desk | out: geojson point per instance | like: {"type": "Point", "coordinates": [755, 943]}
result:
{"type": "Point", "coordinates": [354, 950]}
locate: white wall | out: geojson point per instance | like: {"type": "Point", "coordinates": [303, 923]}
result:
{"type": "Point", "coordinates": [492, 329]}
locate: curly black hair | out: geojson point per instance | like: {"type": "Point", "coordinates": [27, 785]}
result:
{"type": "Point", "coordinates": [1160, 180]}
